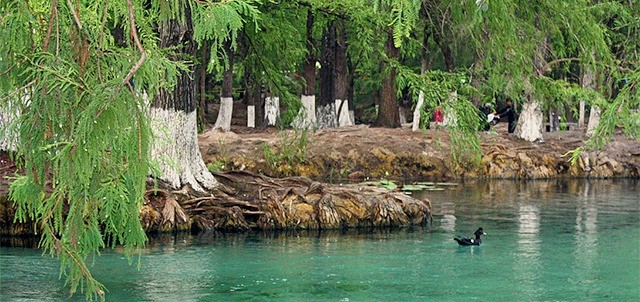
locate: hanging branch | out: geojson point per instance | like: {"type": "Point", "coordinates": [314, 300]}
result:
{"type": "Point", "coordinates": [143, 53]}
{"type": "Point", "coordinates": [75, 15]}
{"type": "Point", "coordinates": [213, 3]}
{"type": "Point", "coordinates": [54, 13]}
{"type": "Point", "coordinates": [100, 35]}
{"type": "Point", "coordinates": [547, 66]}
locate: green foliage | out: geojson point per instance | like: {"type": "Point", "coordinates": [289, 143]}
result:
{"type": "Point", "coordinates": [622, 112]}
{"type": "Point", "coordinates": [398, 16]}
{"type": "Point", "coordinates": [388, 184]}
{"type": "Point", "coordinates": [559, 93]}
{"type": "Point", "coordinates": [83, 132]}
{"type": "Point", "coordinates": [452, 92]}
{"type": "Point", "coordinates": [465, 143]}
{"type": "Point", "coordinates": [408, 188]}
{"type": "Point", "coordinates": [275, 48]}
{"type": "Point", "coordinates": [220, 22]}
{"type": "Point", "coordinates": [290, 150]}
{"type": "Point", "coordinates": [216, 166]}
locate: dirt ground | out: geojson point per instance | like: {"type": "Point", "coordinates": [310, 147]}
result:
{"type": "Point", "coordinates": [362, 139]}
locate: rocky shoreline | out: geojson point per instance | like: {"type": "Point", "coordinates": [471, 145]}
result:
{"type": "Point", "coordinates": [253, 201]}
{"type": "Point", "coordinates": [360, 152]}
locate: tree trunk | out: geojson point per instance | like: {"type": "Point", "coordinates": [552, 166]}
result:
{"type": "Point", "coordinates": [326, 107]}
{"type": "Point", "coordinates": [251, 98]}
{"type": "Point", "coordinates": [174, 120]}
{"type": "Point", "coordinates": [530, 125]}
{"type": "Point", "coordinates": [581, 112]}
{"type": "Point", "coordinates": [554, 120]}
{"type": "Point", "coordinates": [8, 133]}
{"type": "Point", "coordinates": [450, 115]}
{"type": "Point", "coordinates": [415, 126]}
{"type": "Point", "coordinates": [272, 110]}
{"type": "Point", "coordinates": [202, 83]}
{"type": "Point", "coordinates": [341, 82]}
{"type": "Point", "coordinates": [307, 116]}
{"type": "Point", "coordinates": [259, 107]}
{"type": "Point", "coordinates": [588, 81]}
{"type": "Point", "coordinates": [417, 112]}
{"type": "Point", "coordinates": [447, 53]}
{"type": "Point", "coordinates": [388, 114]}
{"type": "Point", "coordinates": [594, 120]}
{"type": "Point", "coordinates": [440, 23]}
{"type": "Point", "coordinates": [351, 93]}
{"type": "Point", "coordinates": [226, 95]}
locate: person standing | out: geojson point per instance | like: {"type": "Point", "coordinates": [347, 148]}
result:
{"type": "Point", "coordinates": [488, 116]}
{"type": "Point", "coordinates": [438, 116]}
{"type": "Point", "coordinates": [510, 114]}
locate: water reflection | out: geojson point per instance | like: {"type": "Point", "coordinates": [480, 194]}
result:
{"type": "Point", "coordinates": [527, 257]}
{"type": "Point", "coordinates": [586, 238]}
{"type": "Point", "coordinates": [548, 241]}
{"type": "Point", "coordinates": [448, 218]}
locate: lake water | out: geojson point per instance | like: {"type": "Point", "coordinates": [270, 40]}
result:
{"type": "Point", "coordinates": [547, 241]}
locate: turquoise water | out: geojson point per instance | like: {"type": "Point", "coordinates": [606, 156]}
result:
{"type": "Point", "coordinates": [547, 241]}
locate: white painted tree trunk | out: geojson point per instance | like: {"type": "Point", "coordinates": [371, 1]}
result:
{"type": "Point", "coordinates": [251, 116]}
{"type": "Point", "coordinates": [403, 118]}
{"type": "Point", "coordinates": [306, 118]}
{"type": "Point", "coordinates": [417, 111]}
{"type": "Point", "coordinates": [588, 81]}
{"type": "Point", "coordinates": [582, 114]}
{"type": "Point", "coordinates": [344, 119]}
{"type": "Point", "coordinates": [326, 116]}
{"type": "Point", "coordinates": [176, 150]}
{"type": "Point", "coordinates": [530, 125]}
{"type": "Point", "coordinates": [594, 120]}
{"type": "Point", "coordinates": [271, 110]}
{"type": "Point", "coordinates": [9, 114]}
{"type": "Point", "coordinates": [8, 132]}
{"type": "Point", "coordinates": [223, 121]}
{"type": "Point", "coordinates": [450, 118]}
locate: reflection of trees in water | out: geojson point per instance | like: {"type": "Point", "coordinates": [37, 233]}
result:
{"type": "Point", "coordinates": [501, 191]}
{"type": "Point", "coordinates": [586, 237]}
{"type": "Point", "coordinates": [527, 265]}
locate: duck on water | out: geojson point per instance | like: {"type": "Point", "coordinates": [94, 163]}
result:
{"type": "Point", "coordinates": [471, 241]}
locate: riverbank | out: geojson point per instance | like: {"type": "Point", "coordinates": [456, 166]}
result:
{"type": "Point", "coordinates": [361, 152]}
{"type": "Point", "coordinates": [253, 164]}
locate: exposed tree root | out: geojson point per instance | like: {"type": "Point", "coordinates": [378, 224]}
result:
{"type": "Point", "coordinates": [260, 202]}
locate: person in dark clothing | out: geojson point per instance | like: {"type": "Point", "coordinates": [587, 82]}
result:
{"type": "Point", "coordinates": [487, 116]}
{"type": "Point", "coordinates": [510, 114]}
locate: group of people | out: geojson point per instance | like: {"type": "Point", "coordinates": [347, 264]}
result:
{"type": "Point", "coordinates": [491, 117]}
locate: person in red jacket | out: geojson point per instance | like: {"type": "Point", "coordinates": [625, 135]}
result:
{"type": "Point", "coordinates": [438, 116]}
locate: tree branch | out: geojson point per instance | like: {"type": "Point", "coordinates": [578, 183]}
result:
{"type": "Point", "coordinates": [100, 35]}
{"type": "Point", "coordinates": [143, 53]}
{"type": "Point", "coordinates": [54, 12]}
{"type": "Point", "coordinates": [75, 15]}
{"type": "Point", "coordinates": [213, 3]}
{"type": "Point", "coordinates": [547, 66]}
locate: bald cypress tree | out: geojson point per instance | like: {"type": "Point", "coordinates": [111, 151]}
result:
{"type": "Point", "coordinates": [81, 74]}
